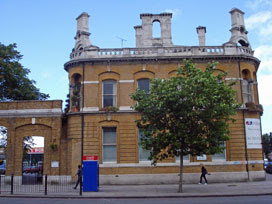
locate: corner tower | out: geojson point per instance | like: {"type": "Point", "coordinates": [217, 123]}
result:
{"type": "Point", "coordinates": [238, 29]}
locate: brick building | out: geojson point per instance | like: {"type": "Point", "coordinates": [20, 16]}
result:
{"type": "Point", "coordinates": [100, 79]}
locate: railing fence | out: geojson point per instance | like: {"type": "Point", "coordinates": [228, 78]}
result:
{"type": "Point", "coordinates": [40, 185]}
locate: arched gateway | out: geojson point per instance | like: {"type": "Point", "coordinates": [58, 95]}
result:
{"type": "Point", "coordinates": [32, 118]}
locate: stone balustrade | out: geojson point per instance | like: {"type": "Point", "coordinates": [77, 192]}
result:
{"type": "Point", "coordinates": [161, 51]}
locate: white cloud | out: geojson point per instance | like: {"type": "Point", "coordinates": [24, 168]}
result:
{"type": "Point", "coordinates": [264, 53]}
{"type": "Point", "coordinates": [255, 4]}
{"type": "Point", "coordinates": [267, 30]}
{"type": "Point", "coordinates": [175, 12]}
{"type": "Point", "coordinates": [265, 74]}
{"type": "Point", "coordinates": [258, 19]}
{"type": "Point", "coordinates": [264, 86]}
{"type": "Point", "coordinates": [45, 74]}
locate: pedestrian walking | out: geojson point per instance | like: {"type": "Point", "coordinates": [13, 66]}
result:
{"type": "Point", "coordinates": [203, 174]}
{"type": "Point", "coordinates": [79, 176]}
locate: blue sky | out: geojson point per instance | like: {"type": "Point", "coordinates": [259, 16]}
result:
{"type": "Point", "coordinates": [44, 31]}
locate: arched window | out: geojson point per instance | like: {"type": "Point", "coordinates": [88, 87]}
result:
{"type": "Point", "coordinates": [75, 90]}
{"type": "Point", "coordinates": [109, 93]}
{"type": "Point", "coordinates": [156, 29]}
{"type": "Point", "coordinates": [243, 43]}
{"type": "Point", "coordinates": [144, 84]}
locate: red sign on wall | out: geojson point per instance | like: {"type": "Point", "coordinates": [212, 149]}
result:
{"type": "Point", "coordinates": [36, 150]}
{"type": "Point", "coordinates": [90, 158]}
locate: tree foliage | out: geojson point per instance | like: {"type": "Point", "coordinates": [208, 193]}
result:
{"type": "Point", "coordinates": [14, 82]}
{"type": "Point", "coordinates": [186, 114]}
{"type": "Point", "coordinates": [267, 144]}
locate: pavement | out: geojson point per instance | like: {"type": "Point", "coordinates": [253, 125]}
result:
{"type": "Point", "coordinates": [257, 188]}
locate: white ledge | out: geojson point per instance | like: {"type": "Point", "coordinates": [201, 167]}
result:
{"type": "Point", "coordinates": [31, 112]}
{"type": "Point", "coordinates": [126, 81]}
{"type": "Point", "coordinates": [186, 163]}
{"type": "Point", "coordinates": [90, 82]}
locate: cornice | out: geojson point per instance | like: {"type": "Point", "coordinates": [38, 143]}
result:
{"type": "Point", "coordinates": [161, 59]}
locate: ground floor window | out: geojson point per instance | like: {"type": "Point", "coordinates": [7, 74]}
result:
{"type": "Point", "coordinates": [220, 156]}
{"type": "Point", "coordinates": [143, 153]}
{"type": "Point", "coordinates": [109, 144]}
{"type": "Point", "coordinates": [185, 158]}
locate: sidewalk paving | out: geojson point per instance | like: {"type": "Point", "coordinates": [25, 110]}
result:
{"type": "Point", "coordinates": [164, 191]}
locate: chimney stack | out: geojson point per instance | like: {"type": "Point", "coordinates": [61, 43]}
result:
{"type": "Point", "coordinates": [201, 30]}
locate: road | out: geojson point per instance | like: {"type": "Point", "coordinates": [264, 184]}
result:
{"type": "Point", "coordinates": [217, 200]}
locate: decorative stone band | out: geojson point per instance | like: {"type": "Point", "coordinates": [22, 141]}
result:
{"type": "Point", "coordinates": [97, 82]}
{"type": "Point", "coordinates": [90, 82]}
{"type": "Point", "coordinates": [91, 109]}
{"type": "Point", "coordinates": [31, 112]}
{"type": "Point", "coordinates": [186, 163]}
{"type": "Point", "coordinates": [235, 79]}
{"type": "Point", "coordinates": [126, 81]}
{"type": "Point", "coordinates": [96, 109]}
{"type": "Point", "coordinates": [125, 108]}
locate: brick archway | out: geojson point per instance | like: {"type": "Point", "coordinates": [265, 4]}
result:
{"type": "Point", "coordinates": [31, 130]}
{"type": "Point", "coordinates": [34, 118]}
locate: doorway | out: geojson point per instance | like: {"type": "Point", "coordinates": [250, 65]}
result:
{"type": "Point", "coordinates": [32, 162]}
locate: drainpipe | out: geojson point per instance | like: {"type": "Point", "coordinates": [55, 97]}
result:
{"type": "Point", "coordinates": [82, 121]}
{"type": "Point", "coordinates": [246, 154]}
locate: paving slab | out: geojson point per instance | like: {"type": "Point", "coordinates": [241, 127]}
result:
{"type": "Point", "coordinates": [163, 191]}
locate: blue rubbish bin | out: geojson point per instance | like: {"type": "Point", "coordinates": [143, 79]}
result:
{"type": "Point", "coordinates": [90, 175]}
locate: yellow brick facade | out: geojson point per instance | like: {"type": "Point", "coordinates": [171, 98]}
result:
{"type": "Point", "coordinates": [126, 76]}
{"type": "Point", "coordinates": [80, 131]}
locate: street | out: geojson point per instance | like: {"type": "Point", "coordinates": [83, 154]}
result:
{"type": "Point", "coordinates": [203, 200]}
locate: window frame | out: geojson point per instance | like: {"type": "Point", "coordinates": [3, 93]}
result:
{"type": "Point", "coordinates": [109, 144]}
{"type": "Point", "coordinates": [248, 93]}
{"type": "Point", "coordinates": [140, 148]}
{"type": "Point", "coordinates": [224, 153]}
{"type": "Point", "coordinates": [142, 79]}
{"type": "Point", "coordinates": [114, 95]}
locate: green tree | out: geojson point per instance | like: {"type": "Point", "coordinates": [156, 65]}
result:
{"type": "Point", "coordinates": [186, 114]}
{"type": "Point", "coordinates": [267, 146]}
{"type": "Point", "coordinates": [14, 82]}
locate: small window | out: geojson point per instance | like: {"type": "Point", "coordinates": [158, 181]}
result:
{"type": "Point", "coordinates": [109, 144]}
{"type": "Point", "coordinates": [109, 93]}
{"type": "Point", "coordinates": [144, 84]}
{"type": "Point", "coordinates": [220, 156]}
{"type": "Point", "coordinates": [143, 154]}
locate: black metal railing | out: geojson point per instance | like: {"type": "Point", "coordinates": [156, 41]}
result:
{"type": "Point", "coordinates": [39, 185]}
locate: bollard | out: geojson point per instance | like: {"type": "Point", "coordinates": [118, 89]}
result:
{"type": "Point", "coordinates": [45, 185]}
{"type": "Point", "coordinates": [80, 185]}
{"type": "Point", "coordinates": [0, 183]}
{"type": "Point", "coordinates": [11, 184]}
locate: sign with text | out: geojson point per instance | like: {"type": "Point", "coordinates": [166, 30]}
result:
{"type": "Point", "coordinates": [54, 164]}
{"type": "Point", "coordinates": [36, 150]}
{"type": "Point", "coordinates": [202, 157]}
{"type": "Point", "coordinates": [90, 158]}
{"type": "Point", "coordinates": [253, 133]}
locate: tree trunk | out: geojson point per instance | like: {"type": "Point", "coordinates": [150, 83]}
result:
{"type": "Point", "coordinates": [180, 172]}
